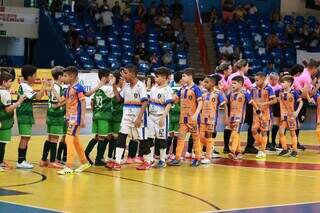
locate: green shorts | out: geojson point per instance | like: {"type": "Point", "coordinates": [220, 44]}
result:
{"type": "Point", "coordinates": [25, 129]}
{"type": "Point", "coordinates": [116, 128]}
{"type": "Point", "coordinates": [174, 127]}
{"type": "Point", "coordinates": [55, 130]}
{"type": "Point", "coordinates": [101, 127]}
{"type": "Point", "coordinates": [5, 136]}
{"type": "Point", "coordinates": [65, 129]}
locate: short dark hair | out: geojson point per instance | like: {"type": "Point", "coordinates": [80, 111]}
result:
{"type": "Point", "coordinates": [261, 74]}
{"type": "Point", "coordinates": [177, 77]}
{"type": "Point", "coordinates": [56, 72]}
{"type": "Point", "coordinates": [287, 78]}
{"type": "Point", "coordinates": [9, 70]}
{"type": "Point", "coordinates": [241, 63]}
{"type": "Point", "coordinates": [163, 71]}
{"type": "Point", "coordinates": [117, 75]}
{"type": "Point", "coordinates": [103, 73]}
{"type": "Point", "coordinates": [5, 76]}
{"type": "Point", "coordinates": [28, 71]}
{"type": "Point", "coordinates": [71, 69]}
{"type": "Point", "coordinates": [222, 67]}
{"type": "Point", "coordinates": [215, 78]}
{"type": "Point", "coordinates": [189, 72]}
{"type": "Point", "coordinates": [132, 68]}
{"type": "Point", "coordinates": [296, 69]}
{"type": "Point", "coordinates": [238, 79]}
{"type": "Point", "coordinates": [313, 64]}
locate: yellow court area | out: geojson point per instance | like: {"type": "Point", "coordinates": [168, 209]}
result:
{"type": "Point", "coordinates": [221, 186]}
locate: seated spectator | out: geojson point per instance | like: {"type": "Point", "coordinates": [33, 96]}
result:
{"type": "Point", "coordinates": [141, 11]}
{"type": "Point", "coordinates": [154, 59]}
{"type": "Point", "coordinates": [116, 10]}
{"type": "Point", "coordinates": [157, 21]}
{"type": "Point", "coordinates": [90, 37]}
{"type": "Point", "coordinates": [127, 9]}
{"type": "Point", "coordinates": [73, 37]}
{"type": "Point", "coordinates": [163, 8]}
{"type": "Point", "coordinates": [177, 23]}
{"type": "Point", "coordinates": [253, 9]}
{"type": "Point", "coordinates": [290, 31]}
{"type": "Point", "coordinates": [213, 16]}
{"type": "Point", "coordinates": [165, 21]}
{"type": "Point", "coordinates": [167, 58]}
{"type": "Point", "coordinates": [239, 13]}
{"type": "Point", "coordinates": [152, 11]}
{"type": "Point", "coordinates": [176, 8]}
{"type": "Point", "coordinates": [272, 41]}
{"type": "Point", "coordinates": [93, 8]}
{"type": "Point", "coordinates": [226, 49]}
{"type": "Point", "coordinates": [269, 68]}
{"type": "Point", "coordinates": [140, 52]}
{"type": "Point", "coordinates": [228, 7]}
{"type": "Point", "coordinates": [275, 16]}
{"type": "Point", "coordinates": [56, 6]}
{"type": "Point", "coordinates": [139, 29]}
{"type": "Point", "coordinates": [104, 6]}
{"type": "Point", "coordinates": [79, 8]}
{"type": "Point", "coordinates": [168, 36]}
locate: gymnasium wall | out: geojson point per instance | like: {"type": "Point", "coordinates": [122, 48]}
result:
{"type": "Point", "coordinates": [13, 3]}
{"type": "Point", "coordinates": [13, 48]}
{"type": "Point", "coordinates": [297, 7]}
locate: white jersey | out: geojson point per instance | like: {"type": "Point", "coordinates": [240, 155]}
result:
{"type": "Point", "coordinates": [159, 98]}
{"type": "Point", "coordinates": [108, 90]}
{"type": "Point", "coordinates": [133, 98]}
{"type": "Point", "coordinates": [28, 92]}
{"type": "Point", "coordinates": [5, 97]}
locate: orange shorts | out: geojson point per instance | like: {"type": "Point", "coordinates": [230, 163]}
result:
{"type": "Point", "coordinates": [292, 124]}
{"type": "Point", "coordinates": [235, 126]}
{"type": "Point", "coordinates": [207, 128]}
{"type": "Point", "coordinates": [73, 130]}
{"type": "Point", "coordinates": [262, 125]}
{"type": "Point", "coordinates": [188, 128]}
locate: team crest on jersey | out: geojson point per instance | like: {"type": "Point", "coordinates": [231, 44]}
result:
{"type": "Point", "coordinates": [159, 96]}
{"type": "Point", "coordinates": [290, 99]}
{"type": "Point", "coordinates": [265, 96]}
{"type": "Point", "coordinates": [190, 97]}
{"type": "Point", "coordinates": [135, 95]}
{"type": "Point", "coordinates": [240, 99]}
{"type": "Point", "coordinates": [71, 97]}
{"type": "Point", "coordinates": [213, 99]}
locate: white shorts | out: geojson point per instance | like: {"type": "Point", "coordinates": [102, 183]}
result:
{"type": "Point", "coordinates": [134, 133]}
{"type": "Point", "coordinates": [154, 130]}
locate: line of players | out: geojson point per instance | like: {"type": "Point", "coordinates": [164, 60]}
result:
{"type": "Point", "coordinates": [123, 109]}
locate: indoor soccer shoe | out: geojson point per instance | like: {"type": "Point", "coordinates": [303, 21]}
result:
{"type": "Point", "coordinates": [144, 166]}
{"type": "Point", "coordinates": [261, 154]}
{"type": "Point", "coordinates": [195, 163]}
{"type": "Point", "coordinates": [83, 167]}
{"type": "Point", "coordinates": [239, 156]}
{"type": "Point", "coordinates": [55, 165]}
{"type": "Point", "coordinates": [66, 171]}
{"type": "Point", "coordinates": [24, 165]}
{"type": "Point", "coordinates": [174, 162]}
{"type": "Point", "coordinates": [99, 163]}
{"type": "Point", "coordinates": [294, 154]}
{"type": "Point", "coordinates": [205, 161]}
{"type": "Point", "coordinates": [231, 156]}
{"type": "Point", "coordinates": [284, 152]}
{"type": "Point", "coordinates": [113, 166]}
{"type": "Point", "coordinates": [161, 164]}
{"type": "Point", "coordinates": [4, 165]}
{"type": "Point", "coordinates": [215, 154]}
{"type": "Point", "coordinates": [130, 160]}
{"type": "Point", "coordinates": [1, 169]}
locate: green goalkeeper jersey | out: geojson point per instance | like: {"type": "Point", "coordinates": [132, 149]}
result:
{"type": "Point", "coordinates": [25, 110]}
{"type": "Point", "coordinates": [55, 116]}
{"type": "Point", "coordinates": [102, 103]}
{"type": "Point", "coordinates": [6, 119]}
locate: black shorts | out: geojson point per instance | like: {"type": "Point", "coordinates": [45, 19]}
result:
{"type": "Point", "coordinates": [276, 110]}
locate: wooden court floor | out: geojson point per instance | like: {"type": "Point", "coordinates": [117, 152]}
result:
{"type": "Point", "coordinates": [218, 187]}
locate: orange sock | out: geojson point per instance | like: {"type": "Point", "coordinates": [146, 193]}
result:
{"type": "Point", "coordinates": [258, 138]}
{"type": "Point", "coordinates": [70, 153]}
{"type": "Point", "coordinates": [239, 144]}
{"type": "Point", "coordinates": [283, 142]}
{"type": "Point", "coordinates": [197, 147]}
{"type": "Point", "coordinates": [80, 150]}
{"type": "Point", "coordinates": [209, 146]}
{"type": "Point", "coordinates": [235, 142]}
{"type": "Point", "coordinates": [294, 142]}
{"type": "Point", "coordinates": [179, 149]}
{"type": "Point", "coordinates": [264, 140]}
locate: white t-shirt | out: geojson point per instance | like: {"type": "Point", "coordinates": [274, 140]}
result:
{"type": "Point", "coordinates": [226, 50]}
{"type": "Point", "coordinates": [133, 98]}
{"type": "Point", "coordinates": [5, 97]}
{"type": "Point", "coordinates": [159, 98]}
{"type": "Point", "coordinates": [108, 90]}
{"type": "Point", "coordinates": [107, 18]}
{"type": "Point", "coordinates": [27, 91]}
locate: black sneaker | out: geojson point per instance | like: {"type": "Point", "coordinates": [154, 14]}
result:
{"type": "Point", "coordinates": [272, 149]}
{"type": "Point", "coordinates": [279, 146]}
{"type": "Point", "coordinates": [251, 150]}
{"type": "Point", "coordinates": [283, 152]}
{"type": "Point", "coordinates": [99, 163]}
{"type": "Point", "coordinates": [226, 151]}
{"type": "Point", "coordinates": [294, 154]}
{"type": "Point", "coordinates": [299, 146]}
{"type": "Point", "coordinates": [89, 160]}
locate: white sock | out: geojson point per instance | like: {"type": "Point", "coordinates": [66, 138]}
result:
{"type": "Point", "coordinates": [163, 155]}
{"type": "Point", "coordinates": [147, 158]}
{"type": "Point", "coordinates": [119, 152]}
{"type": "Point", "coordinates": [151, 153]}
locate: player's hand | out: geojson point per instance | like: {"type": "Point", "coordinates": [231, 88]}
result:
{"type": "Point", "coordinates": [137, 123]}
{"type": "Point", "coordinates": [21, 99]}
{"type": "Point", "coordinates": [112, 80]}
{"type": "Point", "coordinates": [295, 114]}
{"type": "Point", "coordinates": [82, 123]}
{"type": "Point", "coordinates": [161, 121]}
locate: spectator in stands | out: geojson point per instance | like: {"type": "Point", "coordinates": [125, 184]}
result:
{"type": "Point", "coordinates": [253, 9]}
{"type": "Point", "coordinates": [304, 35]}
{"type": "Point", "coordinates": [141, 11]}
{"type": "Point", "coordinates": [165, 21]}
{"type": "Point", "coordinates": [213, 16]}
{"type": "Point", "coordinates": [106, 16]}
{"type": "Point", "coordinates": [154, 59]}
{"type": "Point", "coordinates": [167, 36]}
{"type": "Point", "coordinates": [163, 8]}
{"type": "Point", "coordinates": [127, 9]}
{"type": "Point", "coordinates": [226, 49]}
{"type": "Point", "coordinates": [176, 8]}
{"type": "Point", "coordinates": [104, 6]}
{"type": "Point", "coordinates": [152, 11]}
{"type": "Point", "coordinates": [177, 23]}
{"type": "Point", "coordinates": [79, 8]}
{"type": "Point", "coordinates": [290, 32]}
{"type": "Point", "coordinates": [90, 37]}
{"type": "Point", "coordinates": [116, 9]}
{"type": "Point", "coordinates": [140, 53]}
{"type": "Point", "coordinates": [73, 37]}
{"type": "Point", "coordinates": [56, 6]}
{"type": "Point", "coordinates": [272, 41]}
{"type": "Point", "coordinates": [228, 7]}
{"type": "Point", "coordinates": [93, 8]}
{"type": "Point", "coordinates": [157, 21]}
{"type": "Point", "coordinates": [275, 16]}
{"type": "Point", "coordinates": [239, 13]}
{"type": "Point", "coordinates": [139, 29]}
{"type": "Point", "coordinates": [269, 68]}
{"type": "Point", "coordinates": [167, 58]}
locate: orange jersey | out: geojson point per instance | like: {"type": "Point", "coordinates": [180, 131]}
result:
{"type": "Point", "coordinates": [210, 109]}
{"type": "Point", "coordinates": [74, 94]}
{"type": "Point", "coordinates": [238, 101]}
{"type": "Point", "coordinates": [261, 96]}
{"type": "Point", "coordinates": [288, 103]}
{"type": "Point", "coordinates": [189, 98]}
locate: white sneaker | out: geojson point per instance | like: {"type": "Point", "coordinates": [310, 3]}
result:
{"type": "Point", "coordinates": [82, 167]}
{"type": "Point", "coordinates": [24, 165]}
{"type": "Point", "coordinates": [205, 161]}
{"type": "Point", "coordinates": [215, 154]}
{"type": "Point", "coordinates": [65, 171]}
{"type": "Point", "coordinates": [188, 155]}
{"type": "Point", "coordinates": [1, 169]}
{"type": "Point", "coordinates": [261, 154]}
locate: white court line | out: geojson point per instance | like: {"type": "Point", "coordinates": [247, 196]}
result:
{"type": "Point", "coordinates": [261, 207]}
{"type": "Point", "coordinates": [31, 206]}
